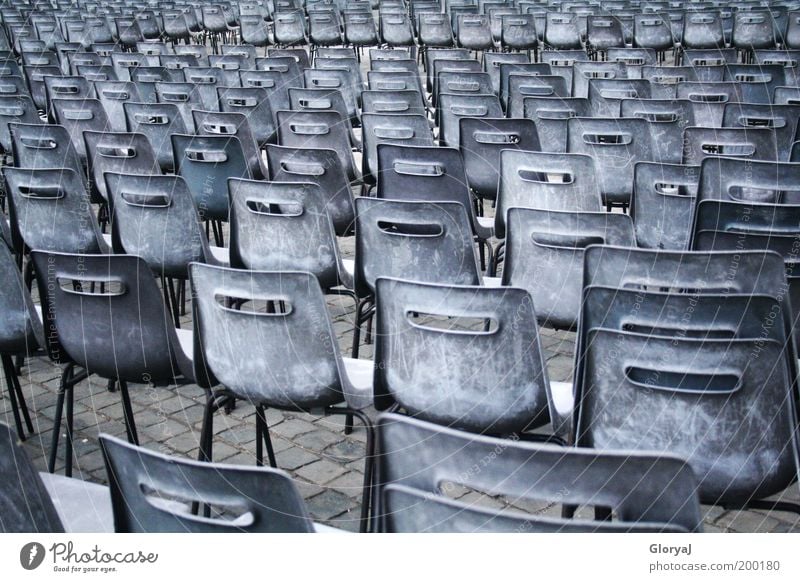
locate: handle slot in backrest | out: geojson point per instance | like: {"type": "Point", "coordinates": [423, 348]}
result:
{"type": "Point", "coordinates": [545, 176]}
{"type": "Point", "coordinates": [687, 383]}
{"type": "Point", "coordinates": [116, 95]}
{"type": "Point", "coordinates": [428, 170]}
{"type": "Point", "coordinates": [206, 156]}
{"type": "Point", "coordinates": [41, 143]}
{"type": "Point", "coordinates": [261, 306]}
{"type": "Point", "coordinates": [42, 192]}
{"type": "Point", "coordinates": [315, 103]}
{"type": "Point", "coordinates": [78, 114]}
{"type": "Point", "coordinates": [146, 199]}
{"type": "Point", "coordinates": [115, 152]}
{"type": "Point", "coordinates": [284, 208]}
{"type": "Point", "coordinates": [667, 189]}
{"type": "Point", "coordinates": [411, 229]}
{"type": "Point", "coordinates": [92, 286]}
{"type": "Point", "coordinates": [657, 117]}
{"type": "Point", "coordinates": [496, 137]}
{"type": "Point", "coordinates": [617, 139]}
{"type": "Point", "coordinates": [302, 168]}
{"type": "Point", "coordinates": [570, 242]}
{"type": "Point", "coordinates": [309, 129]}
{"type": "Point", "coordinates": [219, 128]}
{"type": "Point", "coordinates": [242, 102]}
{"type": "Point", "coordinates": [384, 132]}
{"type": "Point", "coordinates": [728, 149]}
{"type": "Point", "coordinates": [754, 121]}
{"type": "Point", "coordinates": [452, 324]}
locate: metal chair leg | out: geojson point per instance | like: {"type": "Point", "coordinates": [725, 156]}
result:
{"type": "Point", "coordinates": [127, 409]}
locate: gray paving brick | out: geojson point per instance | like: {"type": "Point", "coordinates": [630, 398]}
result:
{"type": "Point", "coordinates": [321, 471]}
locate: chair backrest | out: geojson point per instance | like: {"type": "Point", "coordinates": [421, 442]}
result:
{"type": "Point", "coordinates": [156, 121]}
{"type": "Point", "coordinates": [254, 103]}
{"type": "Point", "coordinates": [335, 80]}
{"type": "Point", "coordinates": [25, 504]}
{"type": "Point", "coordinates": [492, 63]}
{"type": "Point", "coordinates": [185, 97]}
{"type": "Point", "coordinates": [642, 489]}
{"type": "Point", "coordinates": [155, 218]}
{"type": "Point", "coordinates": [124, 153]}
{"type": "Point", "coordinates": [112, 94]}
{"type": "Point", "coordinates": [418, 323]}
{"type": "Point", "coordinates": [66, 87]}
{"type": "Point", "coordinates": [79, 115]}
{"type": "Point", "coordinates": [15, 109]}
{"type": "Point", "coordinates": [584, 71]}
{"type": "Point", "coordinates": [43, 146]}
{"type": "Point", "coordinates": [667, 119]}
{"type": "Point", "coordinates": [782, 119]}
{"type": "Point", "coordinates": [50, 210]}
{"type": "Point", "coordinates": [482, 140]}
{"type": "Point", "coordinates": [377, 128]}
{"type": "Point", "coordinates": [419, 241]}
{"type": "Point", "coordinates": [561, 31]}
{"type": "Point", "coordinates": [453, 107]}
{"type": "Point", "coordinates": [544, 255]}
{"type": "Point", "coordinates": [616, 145]}
{"type": "Point", "coordinates": [410, 101]}
{"type": "Point", "coordinates": [317, 166]}
{"type": "Point", "coordinates": [550, 114]}
{"type": "Point", "coordinates": [545, 181]}
{"type": "Point", "coordinates": [703, 30]}
{"type": "Point", "coordinates": [663, 203]}
{"type": "Point", "coordinates": [754, 181]}
{"type": "Point", "coordinates": [215, 123]}
{"type": "Point", "coordinates": [246, 348]}
{"type": "Point", "coordinates": [20, 328]}
{"type": "Point", "coordinates": [153, 492]}
{"type": "Point", "coordinates": [709, 400]}
{"type": "Point", "coordinates": [206, 162]}
{"type": "Point", "coordinates": [283, 226]}
{"type": "Point", "coordinates": [317, 129]}
{"type": "Point", "coordinates": [108, 315]}
{"type": "Point", "coordinates": [757, 143]}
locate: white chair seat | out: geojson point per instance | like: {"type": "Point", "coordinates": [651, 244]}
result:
{"type": "Point", "coordinates": [83, 507]}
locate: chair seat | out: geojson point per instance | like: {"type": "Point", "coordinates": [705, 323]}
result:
{"type": "Point", "coordinates": [563, 398]}
{"type": "Point", "coordinates": [83, 507]}
{"type": "Point", "coordinates": [359, 377]}
{"type": "Point", "coordinates": [221, 254]}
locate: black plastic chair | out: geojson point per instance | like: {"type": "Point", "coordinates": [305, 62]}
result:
{"type": "Point", "coordinates": [522, 86]}
{"type": "Point", "coordinates": [663, 203]}
{"type": "Point", "coordinates": [340, 80]}
{"type": "Point", "coordinates": [310, 377]}
{"type": "Point", "coordinates": [152, 492]}
{"type": "Point", "coordinates": [185, 97]}
{"type": "Point", "coordinates": [519, 32]}
{"type": "Point", "coordinates": [112, 94]}
{"type": "Point", "coordinates": [65, 87]}
{"type": "Point", "coordinates": [403, 102]}
{"type": "Point", "coordinates": [104, 314]}
{"type": "Point", "coordinates": [434, 30]}
{"type": "Point", "coordinates": [544, 255]}
{"type": "Point", "coordinates": [157, 121]}
{"type": "Point", "coordinates": [20, 335]}
{"type": "Point", "coordinates": [546, 181]}
{"type": "Point", "coordinates": [395, 29]}
{"type": "Point", "coordinates": [584, 71]}
{"type": "Point", "coordinates": [474, 33]}
{"type": "Point", "coordinates": [289, 28]}
{"type": "Point", "coordinates": [410, 130]}
{"type": "Point", "coordinates": [275, 83]}
{"type": "Point", "coordinates": [15, 109]}
{"type": "Point", "coordinates": [206, 162]}
{"type": "Point", "coordinates": [604, 32]}
{"type": "Point", "coordinates": [224, 124]}
{"type": "Point", "coordinates": [452, 107]}
{"type": "Point", "coordinates": [782, 119]}
{"type": "Point", "coordinates": [321, 167]}
{"type": "Point", "coordinates": [418, 323]}
{"type": "Point", "coordinates": [703, 30]}
{"type": "Point", "coordinates": [616, 145]}
{"type": "Point", "coordinates": [482, 140]}
{"type": "Point", "coordinates": [324, 99]}
{"type": "Point", "coordinates": [420, 462]}
{"type": "Point", "coordinates": [667, 119]}
{"type": "Point", "coordinates": [125, 153]}
{"type": "Point", "coordinates": [318, 129]}
{"type": "Point", "coordinates": [359, 29]}
{"type": "Point", "coordinates": [493, 61]}
{"type": "Point", "coordinates": [561, 31]}
{"type": "Point", "coordinates": [550, 115]}
{"type": "Point", "coordinates": [274, 226]}
{"type": "Point", "coordinates": [756, 143]}
{"type": "Point", "coordinates": [254, 103]}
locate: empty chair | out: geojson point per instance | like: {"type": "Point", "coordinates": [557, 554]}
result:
{"type": "Point", "coordinates": [254, 30]}
{"type": "Point", "coordinates": [522, 86]}
{"type": "Point", "coordinates": [390, 128]}
{"type": "Point", "coordinates": [782, 119]}
{"type": "Point", "coordinates": [49, 210]}
{"type": "Point", "coordinates": [15, 109]}
{"type": "Point", "coordinates": [324, 29]}
{"type": "Point", "coordinates": [35, 75]}
{"type": "Point", "coordinates": [253, 103]}
{"type": "Point", "coordinates": [125, 153]}
{"type": "Point", "coordinates": [493, 61]}
{"type": "Point", "coordinates": [653, 31]}
{"type": "Point", "coordinates": [289, 28]}
{"type": "Point", "coordinates": [703, 30]}
{"type": "Point", "coordinates": [418, 323]}
{"type": "Point", "coordinates": [318, 166]}
{"type": "Point", "coordinates": [452, 108]}
{"type": "Point", "coordinates": [44, 146]}
{"type": "Point", "coordinates": [518, 32]}
{"type": "Point", "coordinates": [544, 255]}
{"type": "Point", "coordinates": [606, 95]}
{"type": "Point", "coordinates": [275, 83]}
{"type": "Point", "coordinates": [318, 129]}
{"type": "Point", "coordinates": [246, 351]}
{"type": "Point", "coordinates": [616, 145]}
{"type": "Point", "coordinates": [753, 29]}
{"type": "Point", "coordinates": [583, 72]}
{"type": "Point", "coordinates": [482, 140]}
{"type": "Point", "coordinates": [335, 80]}
{"type": "Point", "coordinates": [604, 32]}
{"type": "Point", "coordinates": [522, 69]}
{"type": "Point", "coordinates": [236, 125]}
{"type": "Point", "coordinates": [561, 31]}
{"type": "Point", "coordinates": [434, 30]}
{"type": "Point", "coordinates": [262, 499]}
{"type": "Point", "coordinates": [207, 79]}
{"type": "Point", "coordinates": [474, 32]}
{"type": "Point", "coordinates": [64, 87]}
{"type": "Point", "coordinates": [663, 203]}
{"type": "Point", "coordinates": [117, 328]}
{"type": "Point", "coordinates": [419, 460]}
{"type": "Point", "coordinates": [545, 181]}
{"type": "Point", "coordinates": [359, 29]}
{"type": "Point", "coordinates": [757, 82]}
{"type": "Point", "coordinates": [667, 119]}
{"type": "Point", "coordinates": [77, 116]}
{"type": "Point", "coordinates": [157, 121]}
{"type": "Point", "coordinates": [709, 99]}
{"type": "Point", "coordinates": [20, 335]}
{"type": "Point", "coordinates": [274, 224]}
{"type": "Point", "coordinates": [185, 97]}
{"type": "Point", "coordinates": [757, 143]}
{"type": "Point", "coordinates": [406, 102]}
{"type": "Point", "coordinates": [206, 162]}
{"type": "Point", "coordinates": [763, 181]}
{"type": "Point", "coordinates": [112, 94]}
{"type": "Point", "coordinates": [395, 29]}
{"type": "Point", "coordinates": [551, 114]}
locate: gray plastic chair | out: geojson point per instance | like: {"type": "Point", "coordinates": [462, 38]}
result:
{"type": "Point", "coordinates": [157, 121]}
{"type": "Point", "coordinates": [15, 109]}
{"type": "Point", "coordinates": [215, 123]}
{"type": "Point", "coordinates": [77, 116]}
{"type": "Point", "coordinates": [419, 460]}
{"type": "Point", "coordinates": [410, 130]}
{"type": "Point", "coordinates": [663, 203]}
{"type": "Point", "coordinates": [493, 61]}
{"type": "Point", "coordinates": [419, 324]}
{"type": "Point", "coordinates": [317, 166]}
{"type": "Point", "coordinates": [452, 107]}
{"type": "Point", "coordinates": [668, 119]}
{"type": "Point", "coordinates": [113, 94]}
{"type": "Point", "coordinates": [254, 103]}
{"type": "Point", "coordinates": [270, 359]}
{"type": "Point", "coordinates": [551, 114]}
{"type": "Point", "coordinates": [545, 181]}
{"type": "Point", "coordinates": [544, 255]}
{"type": "Point", "coordinates": [152, 492]}
{"type": "Point", "coordinates": [783, 119]}
{"type": "Point", "coordinates": [285, 226]}
{"type": "Point", "coordinates": [757, 143]}
{"type": "Point", "coordinates": [616, 145]}
{"type": "Point", "coordinates": [125, 153]}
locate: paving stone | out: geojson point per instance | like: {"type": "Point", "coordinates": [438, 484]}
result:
{"type": "Point", "coordinates": [292, 428]}
{"type": "Point", "coordinates": [329, 504]}
{"type": "Point", "coordinates": [294, 457]}
{"type": "Point", "coordinates": [351, 484]}
{"type": "Point", "coordinates": [321, 471]}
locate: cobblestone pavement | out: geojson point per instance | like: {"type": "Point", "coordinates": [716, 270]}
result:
{"type": "Point", "coordinates": [327, 465]}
